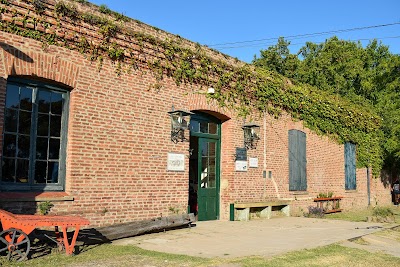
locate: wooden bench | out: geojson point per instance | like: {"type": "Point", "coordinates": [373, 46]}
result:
{"type": "Point", "coordinates": [242, 210]}
{"type": "Point", "coordinates": [329, 204]}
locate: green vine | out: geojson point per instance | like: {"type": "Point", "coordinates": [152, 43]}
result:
{"type": "Point", "coordinates": [116, 53]}
{"type": "Point", "coordinates": [45, 207]}
{"type": "Point", "coordinates": [238, 86]}
{"type": "Point", "coordinates": [64, 10]}
{"type": "Point", "coordinates": [108, 30]}
{"type": "Point", "coordinates": [38, 5]}
{"type": "Point", "coordinates": [82, 1]}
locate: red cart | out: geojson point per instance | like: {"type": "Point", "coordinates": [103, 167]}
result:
{"type": "Point", "coordinates": [14, 238]}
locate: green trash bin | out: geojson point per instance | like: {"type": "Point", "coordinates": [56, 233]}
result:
{"type": "Point", "coordinates": [232, 212]}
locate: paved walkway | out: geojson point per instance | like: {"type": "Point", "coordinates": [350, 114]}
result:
{"type": "Point", "coordinates": [257, 237]}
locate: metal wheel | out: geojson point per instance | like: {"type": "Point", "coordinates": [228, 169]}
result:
{"type": "Point", "coordinates": [15, 243]}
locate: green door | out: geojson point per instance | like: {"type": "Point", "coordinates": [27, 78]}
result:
{"type": "Point", "coordinates": [204, 180]}
{"type": "Point", "coordinates": [207, 194]}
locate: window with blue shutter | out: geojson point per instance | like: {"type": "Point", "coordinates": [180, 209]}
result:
{"type": "Point", "coordinates": [350, 166]}
{"type": "Point", "coordinates": [297, 161]}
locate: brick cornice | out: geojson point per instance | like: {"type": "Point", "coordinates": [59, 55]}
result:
{"type": "Point", "coordinates": [20, 61]}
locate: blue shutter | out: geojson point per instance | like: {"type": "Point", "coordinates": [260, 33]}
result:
{"type": "Point", "coordinates": [302, 158]}
{"type": "Point", "coordinates": [293, 169]}
{"type": "Point", "coordinates": [350, 166]}
{"type": "Point", "coordinates": [297, 161]}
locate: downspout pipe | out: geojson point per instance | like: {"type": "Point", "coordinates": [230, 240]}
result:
{"type": "Point", "coordinates": [368, 187]}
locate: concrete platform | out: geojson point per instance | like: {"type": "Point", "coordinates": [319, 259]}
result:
{"type": "Point", "coordinates": [261, 237]}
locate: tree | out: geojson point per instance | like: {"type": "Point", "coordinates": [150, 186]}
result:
{"type": "Point", "coordinates": [369, 76]}
{"type": "Point", "coordinates": [278, 58]}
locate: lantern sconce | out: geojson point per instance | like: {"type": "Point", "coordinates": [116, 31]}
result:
{"type": "Point", "coordinates": [180, 120]}
{"type": "Point", "coordinates": [251, 135]}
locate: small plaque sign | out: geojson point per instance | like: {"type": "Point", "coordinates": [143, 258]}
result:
{"type": "Point", "coordinates": [176, 162]}
{"type": "Point", "coordinates": [253, 162]}
{"type": "Point", "coordinates": [241, 153]}
{"type": "Point", "coordinates": [241, 165]}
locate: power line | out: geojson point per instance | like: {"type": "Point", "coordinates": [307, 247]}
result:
{"type": "Point", "coordinates": [299, 36]}
{"type": "Point", "coordinates": [272, 43]}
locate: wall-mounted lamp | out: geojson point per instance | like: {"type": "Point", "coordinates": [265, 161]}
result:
{"type": "Point", "coordinates": [251, 135]}
{"type": "Point", "coordinates": [180, 120]}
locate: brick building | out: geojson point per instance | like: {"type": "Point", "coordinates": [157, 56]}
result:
{"type": "Point", "coordinates": [87, 127]}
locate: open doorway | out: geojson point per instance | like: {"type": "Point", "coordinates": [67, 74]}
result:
{"type": "Point", "coordinates": [193, 175]}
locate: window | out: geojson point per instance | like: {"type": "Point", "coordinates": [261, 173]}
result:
{"type": "Point", "coordinates": [297, 161]}
{"type": "Point", "coordinates": [34, 137]}
{"type": "Point", "coordinates": [198, 126]}
{"type": "Point", "coordinates": [350, 166]}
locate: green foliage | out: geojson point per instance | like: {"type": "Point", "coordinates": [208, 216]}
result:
{"type": "Point", "coordinates": [242, 87]}
{"type": "Point", "coordinates": [382, 211]}
{"type": "Point", "coordinates": [129, 255]}
{"type": "Point", "coordinates": [120, 17]}
{"type": "Point", "coordinates": [364, 76]}
{"type": "Point", "coordinates": [38, 5]}
{"type": "Point", "coordinates": [325, 195]}
{"type": "Point", "coordinates": [45, 207]}
{"type": "Point", "coordinates": [104, 9]}
{"type": "Point", "coordinates": [82, 1]}
{"type": "Point", "coordinates": [278, 58]}
{"type": "Point", "coordinates": [174, 210]}
{"type": "Point", "coordinates": [83, 45]}
{"type": "Point", "coordinates": [116, 53]}
{"type": "Point", "coordinates": [93, 19]}
{"type": "Point", "coordinates": [108, 30]}
{"type": "Point", "coordinates": [65, 10]}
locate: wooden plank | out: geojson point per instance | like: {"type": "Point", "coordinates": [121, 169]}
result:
{"type": "Point", "coordinates": [327, 199]}
{"type": "Point", "coordinates": [332, 211]}
{"type": "Point", "coordinates": [260, 204]}
{"type": "Point", "coordinates": [118, 231]}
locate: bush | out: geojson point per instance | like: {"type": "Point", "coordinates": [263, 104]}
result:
{"type": "Point", "coordinates": [382, 212]}
{"type": "Point", "coordinates": [325, 195]}
{"type": "Point", "coordinates": [45, 207]}
{"type": "Point", "coordinates": [314, 212]}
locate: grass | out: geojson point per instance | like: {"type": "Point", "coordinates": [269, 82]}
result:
{"type": "Point", "coordinates": [332, 255]}
{"type": "Point", "coordinates": [108, 255]}
{"type": "Point", "coordinates": [361, 215]}
{"type": "Point", "coordinates": [361, 241]}
{"type": "Point", "coordinates": [121, 256]}
{"type": "Point", "coordinates": [353, 216]}
{"type": "Point", "coordinates": [393, 233]}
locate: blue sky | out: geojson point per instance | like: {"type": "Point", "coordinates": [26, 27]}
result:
{"type": "Point", "coordinates": [219, 22]}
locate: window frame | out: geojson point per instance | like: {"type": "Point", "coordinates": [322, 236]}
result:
{"type": "Point", "coordinates": [37, 86]}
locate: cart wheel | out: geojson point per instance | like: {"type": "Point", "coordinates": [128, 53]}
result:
{"type": "Point", "coordinates": [16, 242]}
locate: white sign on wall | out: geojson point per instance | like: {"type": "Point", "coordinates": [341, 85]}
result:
{"type": "Point", "coordinates": [253, 162]}
{"type": "Point", "coordinates": [241, 165]}
{"type": "Point", "coordinates": [176, 162]}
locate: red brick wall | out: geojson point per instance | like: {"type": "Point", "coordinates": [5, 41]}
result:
{"type": "Point", "coordinates": [119, 138]}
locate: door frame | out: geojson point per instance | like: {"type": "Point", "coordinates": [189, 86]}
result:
{"type": "Point", "coordinates": [204, 117]}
